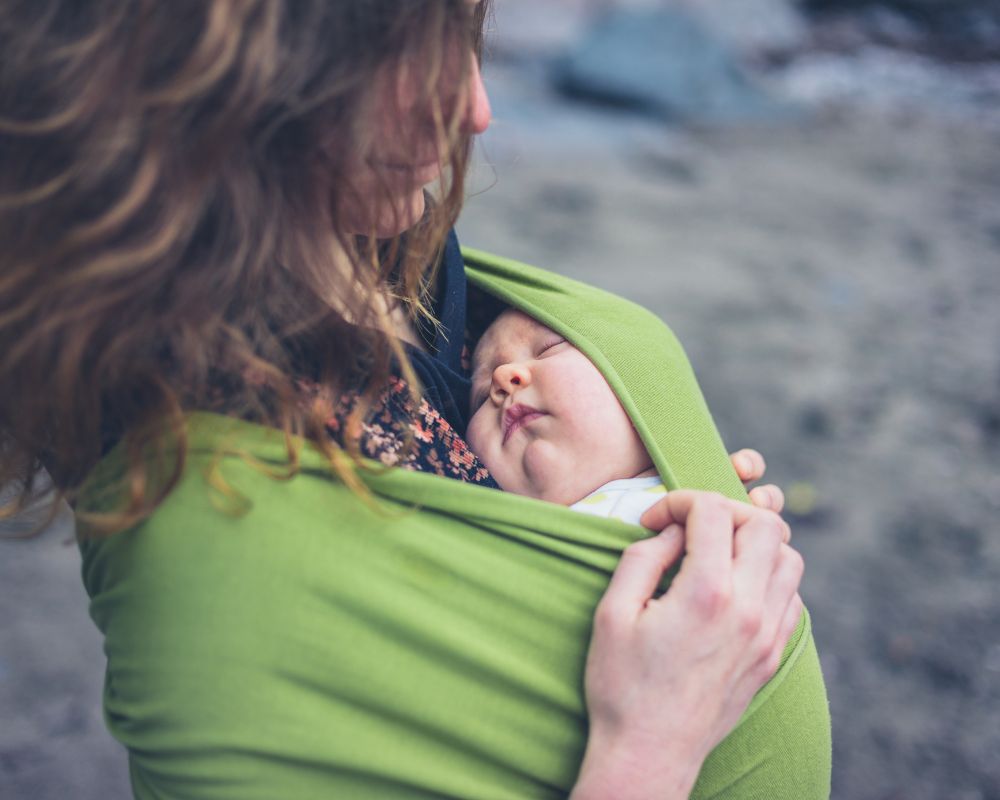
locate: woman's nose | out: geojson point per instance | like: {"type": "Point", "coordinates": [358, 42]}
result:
{"type": "Point", "coordinates": [477, 112]}
{"type": "Point", "coordinates": [508, 378]}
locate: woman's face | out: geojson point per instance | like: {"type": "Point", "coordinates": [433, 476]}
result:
{"type": "Point", "coordinates": [405, 152]}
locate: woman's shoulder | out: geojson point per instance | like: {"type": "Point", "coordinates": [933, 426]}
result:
{"type": "Point", "coordinates": [235, 495]}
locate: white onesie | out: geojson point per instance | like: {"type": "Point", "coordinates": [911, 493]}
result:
{"type": "Point", "coordinates": [625, 499]}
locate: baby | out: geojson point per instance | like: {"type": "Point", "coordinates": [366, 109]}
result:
{"type": "Point", "coordinates": [547, 425]}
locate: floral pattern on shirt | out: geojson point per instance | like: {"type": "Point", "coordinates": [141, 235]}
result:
{"type": "Point", "coordinates": [436, 446]}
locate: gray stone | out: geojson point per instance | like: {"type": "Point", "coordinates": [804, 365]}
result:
{"type": "Point", "coordinates": [665, 63]}
{"type": "Point", "coordinates": [525, 29]}
{"type": "Point", "coordinates": [751, 27]}
{"type": "Point", "coordinates": [953, 29]}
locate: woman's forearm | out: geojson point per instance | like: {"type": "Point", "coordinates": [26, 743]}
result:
{"type": "Point", "coordinates": [629, 773]}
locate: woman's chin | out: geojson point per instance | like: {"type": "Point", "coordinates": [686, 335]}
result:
{"type": "Point", "coordinates": [390, 219]}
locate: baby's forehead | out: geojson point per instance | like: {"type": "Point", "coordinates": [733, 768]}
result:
{"type": "Point", "coordinates": [512, 324]}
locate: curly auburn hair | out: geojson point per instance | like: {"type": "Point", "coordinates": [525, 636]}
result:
{"type": "Point", "coordinates": [172, 181]}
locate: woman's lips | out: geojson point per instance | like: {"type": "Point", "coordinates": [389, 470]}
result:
{"type": "Point", "coordinates": [517, 416]}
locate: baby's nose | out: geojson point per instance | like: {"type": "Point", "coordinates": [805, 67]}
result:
{"type": "Point", "coordinates": [508, 377]}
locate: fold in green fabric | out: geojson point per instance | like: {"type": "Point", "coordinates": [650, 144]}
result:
{"type": "Point", "coordinates": [428, 644]}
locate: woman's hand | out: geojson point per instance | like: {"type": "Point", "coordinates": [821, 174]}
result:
{"type": "Point", "coordinates": [750, 466]}
{"type": "Point", "coordinates": [668, 678]}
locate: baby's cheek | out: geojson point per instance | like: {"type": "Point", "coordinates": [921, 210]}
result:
{"type": "Point", "coordinates": [474, 437]}
{"type": "Point", "coordinates": [478, 438]}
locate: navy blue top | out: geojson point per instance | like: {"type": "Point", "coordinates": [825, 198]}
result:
{"type": "Point", "coordinates": [445, 382]}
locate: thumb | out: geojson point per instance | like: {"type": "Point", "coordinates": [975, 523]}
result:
{"type": "Point", "coordinates": [658, 516]}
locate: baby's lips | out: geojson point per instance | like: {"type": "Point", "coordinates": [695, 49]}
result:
{"type": "Point", "coordinates": [514, 417]}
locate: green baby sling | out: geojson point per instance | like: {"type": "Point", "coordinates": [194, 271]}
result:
{"type": "Point", "coordinates": [429, 646]}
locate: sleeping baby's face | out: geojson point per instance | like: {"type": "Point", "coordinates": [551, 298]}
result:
{"type": "Point", "coordinates": [544, 420]}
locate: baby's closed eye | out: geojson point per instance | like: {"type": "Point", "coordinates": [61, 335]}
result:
{"type": "Point", "coordinates": [551, 344]}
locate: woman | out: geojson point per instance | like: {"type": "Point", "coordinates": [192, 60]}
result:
{"type": "Point", "coordinates": [223, 286]}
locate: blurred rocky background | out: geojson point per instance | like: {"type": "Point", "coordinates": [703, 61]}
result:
{"type": "Point", "coordinates": [809, 193]}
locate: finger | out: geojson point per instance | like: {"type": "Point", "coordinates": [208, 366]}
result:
{"type": "Point", "coordinates": [768, 496]}
{"type": "Point", "coordinates": [706, 572]}
{"type": "Point", "coordinates": [784, 584]}
{"type": "Point", "coordinates": [782, 609]}
{"type": "Point", "coordinates": [749, 465]}
{"type": "Point", "coordinates": [789, 622]}
{"type": "Point", "coordinates": [658, 516]}
{"type": "Point", "coordinates": [771, 518]}
{"type": "Point", "coordinates": [675, 507]}
{"type": "Point", "coordinates": [639, 571]}
{"type": "Point", "coordinates": [757, 556]}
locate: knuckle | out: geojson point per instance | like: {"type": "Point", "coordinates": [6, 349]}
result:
{"type": "Point", "coordinates": [793, 558]}
{"type": "Point", "coordinates": [606, 617]}
{"type": "Point", "coordinates": [710, 502]}
{"type": "Point", "coordinates": [711, 599]}
{"type": "Point", "coordinates": [749, 622]}
{"type": "Point", "coordinates": [773, 524]}
{"type": "Point", "coordinates": [764, 650]}
{"type": "Point", "coordinates": [766, 525]}
{"type": "Point", "coordinates": [770, 664]}
{"type": "Point", "coordinates": [633, 548]}
{"type": "Point", "coordinates": [639, 549]}
{"type": "Point", "coordinates": [791, 621]}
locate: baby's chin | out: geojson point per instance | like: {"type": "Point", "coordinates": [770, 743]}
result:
{"type": "Point", "coordinates": [565, 496]}
{"type": "Point", "coordinates": [544, 473]}
{"type": "Point", "coordinates": [561, 492]}
{"type": "Point", "coordinates": [550, 475]}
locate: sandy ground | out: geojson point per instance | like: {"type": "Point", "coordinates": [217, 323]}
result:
{"type": "Point", "coordinates": [836, 281]}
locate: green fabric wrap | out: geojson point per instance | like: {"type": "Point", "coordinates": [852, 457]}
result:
{"type": "Point", "coordinates": [428, 644]}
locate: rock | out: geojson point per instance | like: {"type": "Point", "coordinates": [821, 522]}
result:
{"type": "Point", "coordinates": [523, 29]}
{"type": "Point", "coordinates": [663, 62]}
{"type": "Point", "coordinates": [815, 421]}
{"type": "Point", "coordinates": [527, 28]}
{"type": "Point", "coordinates": [890, 78]}
{"type": "Point", "coordinates": [954, 29]}
{"type": "Point", "coordinates": [752, 28]}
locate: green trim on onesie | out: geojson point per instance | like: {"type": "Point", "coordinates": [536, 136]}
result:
{"type": "Point", "coordinates": [430, 644]}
